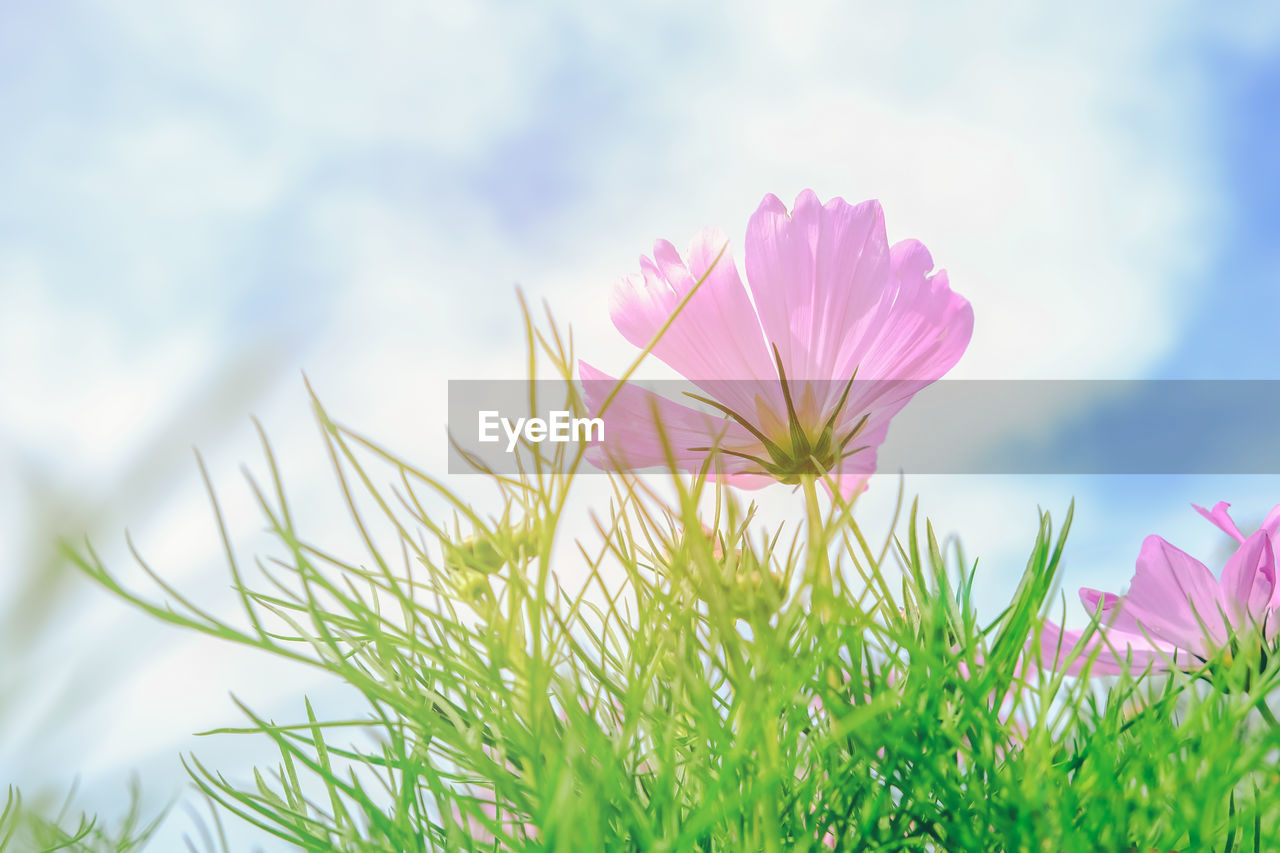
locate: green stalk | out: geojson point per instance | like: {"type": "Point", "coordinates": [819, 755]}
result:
{"type": "Point", "coordinates": [819, 560]}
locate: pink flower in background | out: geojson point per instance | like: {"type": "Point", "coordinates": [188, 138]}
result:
{"type": "Point", "coordinates": [1176, 614]}
{"type": "Point", "coordinates": [486, 812]}
{"type": "Point", "coordinates": [829, 299]}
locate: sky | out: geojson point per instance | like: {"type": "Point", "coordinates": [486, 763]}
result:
{"type": "Point", "coordinates": [199, 203]}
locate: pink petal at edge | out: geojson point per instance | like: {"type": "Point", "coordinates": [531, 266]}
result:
{"type": "Point", "coordinates": [1221, 519]}
{"type": "Point", "coordinates": [1176, 598]}
{"type": "Point", "coordinates": [1249, 580]}
{"type": "Point", "coordinates": [1117, 652]}
{"type": "Point", "coordinates": [1271, 523]}
{"type": "Point", "coordinates": [1109, 610]}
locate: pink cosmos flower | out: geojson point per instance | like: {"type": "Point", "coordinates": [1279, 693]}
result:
{"type": "Point", "coordinates": [1176, 614]}
{"type": "Point", "coordinates": [827, 299]}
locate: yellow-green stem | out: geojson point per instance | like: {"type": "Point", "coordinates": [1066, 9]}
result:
{"type": "Point", "coordinates": [819, 564]}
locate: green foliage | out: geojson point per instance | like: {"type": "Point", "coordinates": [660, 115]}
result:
{"type": "Point", "coordinates": [23, 829]}
{"type": "Point", "coordinates": [707, 682]}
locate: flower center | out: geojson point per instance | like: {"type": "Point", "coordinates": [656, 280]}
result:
{"type": "Point", "coordinates": [802, 452]}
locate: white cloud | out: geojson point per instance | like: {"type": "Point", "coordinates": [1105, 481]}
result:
{"type": "Point", "coordinates": [1051, 169]}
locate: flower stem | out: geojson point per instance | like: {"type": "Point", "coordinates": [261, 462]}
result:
{"type": "Point", "coordinates": [1265, 710]}
{"type": "Point", "coordinates": [819, 560]}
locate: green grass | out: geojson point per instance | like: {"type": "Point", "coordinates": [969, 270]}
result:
{"type": "Point", "coordinates": [758, 687]}
{"type": "Point", "coordinates": [24, 829]}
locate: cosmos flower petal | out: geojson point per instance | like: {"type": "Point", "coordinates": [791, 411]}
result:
{"type": "Point", "coordinates": [1249, 580]}
{"type": "Point", "coordinates": [1112, 652]}
{"type": "Point", "coordinates": [1110, 610]}
{"type": "Point", "coordinates": [1222, 519]}
{"type": "Point", "coordinates": [638, 421]}
{"type": "Point", "coordinates": [920, 329]}
{"type": "Point", "coordinates": [1175, 597]}
{"type": "Point", "coordinates": [716, 335]}
{"type": "Point", "coordinates": [1271, 523]}
{"type": "Point", "coordinates": [817, 273]}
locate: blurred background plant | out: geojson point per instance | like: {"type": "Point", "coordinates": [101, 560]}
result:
{"type": "Point", "coordinates": [42, 687]}
{"type": "Point", "coordinates": [60, 828]}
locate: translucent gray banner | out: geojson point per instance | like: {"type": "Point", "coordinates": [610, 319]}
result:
{"type": "Point", "coordinates": [947, 427]}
